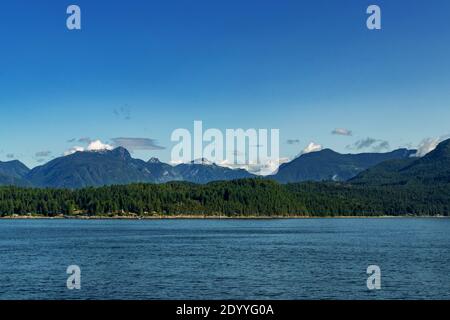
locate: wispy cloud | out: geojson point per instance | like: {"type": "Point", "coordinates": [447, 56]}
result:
{"type": "Point", "coordinates": [97, 145]}
{"type": "Point", "coordinates": [42, 154]}
{"type": "Point", "coordinates": [94, 145]}
{"type": "Point", "coordinates": [429, 144]}
{"type": "Point", "coordinates": [135, 144]}
{"type": "Point", "coordinates": [268, 167]}
{"type": "Point", "coordinates": [375, 144]}
{"type": "Point", "coordinates": [293, 141]}
{"type": "Point", "coordinates": [311, 147]}
{"type": "Point", "coordinates": [342, 132]}
{"type": "Point", "coordinates": [123, 112]}
{"type": "Point", "coordinates": [364, 143]}
{"type": "Point", "coordinates": [381, 146]}
{"type": "Point", "coordinates": [73, 150]}
{"type": "Point", "coordinates": [86, 140]}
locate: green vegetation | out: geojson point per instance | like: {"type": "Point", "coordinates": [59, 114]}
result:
{"type": "Point", "coordinates": [246, 197]}
{"type": "Point", "coordinates": [344, 199]}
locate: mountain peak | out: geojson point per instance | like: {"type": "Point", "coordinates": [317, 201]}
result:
{"type": "Point", "coordinates": [431, 169]}
{"type": "Point", "coordinates": [441, 151]}
{"type": "Point", "coordinates": [317, 153]}
{"type": "Point", "coordinates": [323, 151]}
{"type": "Point", "coordinates": [202, 161]}
{"type": "Point", "coordinates": [154, 160]}
{"type": "Point", "coordinates": [121, 152]}
{"type": "Point", "coordinates": [445, 144]}
{"type": "Point", "coordinates": [14, 163]}
{"type": "Point", "coordinates": [14, 169]}
{"type": "Point", "coordinates": [331, 165]}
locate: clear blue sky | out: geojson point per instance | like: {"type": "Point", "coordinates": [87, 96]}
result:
{"type": "Point", "coordinates": [144, 68]}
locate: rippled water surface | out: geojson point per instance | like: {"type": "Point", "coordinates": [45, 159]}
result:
{"type": "Point", "coordinates": [225, 259]}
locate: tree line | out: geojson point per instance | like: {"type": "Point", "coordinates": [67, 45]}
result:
{"type": "Point", "coordinates": [246, 197]}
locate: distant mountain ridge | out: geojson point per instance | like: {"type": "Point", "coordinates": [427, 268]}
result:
{"type": "Point", "coordinates": [204, 172]}
{"type": "Point", "coordinates": [6, 180]}
{"type": "Point", "coordinates": [410, 186]}
{"type": "Point", "coordinates": [14, 173]}
{"type": "Point", "coordinates": [14, 168]}
{"type": "Point", "coordinates": [330, 165]}
{"type": "Point", "coordinates": [83, 169]}
{"type": "Point", "coordinates": [117, 167]}
{"type": "Point", "coordinates": [431, 169]}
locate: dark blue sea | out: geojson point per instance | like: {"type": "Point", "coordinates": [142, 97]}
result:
{"type": "Point", "coordinates": [225, 259]}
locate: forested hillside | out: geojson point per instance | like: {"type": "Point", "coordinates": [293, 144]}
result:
{"type": "Point", "coordinates": [248, 197]}
{"type": "Point", "coordinates": [412, 186]}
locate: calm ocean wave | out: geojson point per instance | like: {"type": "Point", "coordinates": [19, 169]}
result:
{"type": "Point", "coordinates": [225, 259]}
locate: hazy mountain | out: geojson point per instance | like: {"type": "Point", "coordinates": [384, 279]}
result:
{"type": "Point", "coordinates": [98, 168]}
{"type": "Point", "coordinates": [13, 173]}
{"type": "Point", "coordinates": [432, 169]}
{"type": "Point", "coordinates": [13, 168]}
{"type": "Point", "coordinates": [162, 172]}
{"type": "Point", "coordinates": [203, 171]}
{"type": "Point", "coordinates": [330, 165]}
{"type": "Point", "coordinates": [6, 180]}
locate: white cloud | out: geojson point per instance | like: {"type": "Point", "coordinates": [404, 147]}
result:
{"type": "Point", "coordinates": [429, 144]}
{"type": "Point", "coordinates": [269, 167]}
{"type": "Point", "coordinates": [312, 147]}
{"type": "Point", "coordinates": [377, 145]}
{"type": "Point", "coordinates": [133, 144]}
{"type": "Point", "coordinates": [73, 150]}
{"type": "Point", "coordinates": [342, 132]}
{"type": "Point", "coordinates": [97, 145]}
{"type": "Point", "coordinates": [293, 141]}
{"type": "Point", "coordinates": [43, 154]}
{"type": "Point", "coordinates": [176, 162]}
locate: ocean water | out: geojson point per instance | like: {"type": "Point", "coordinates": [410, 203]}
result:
{"type": "Point", "coordinates": [225, 259]}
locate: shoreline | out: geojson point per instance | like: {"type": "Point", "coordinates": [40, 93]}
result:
{"type": "Point", "coordinates": [199, 217]}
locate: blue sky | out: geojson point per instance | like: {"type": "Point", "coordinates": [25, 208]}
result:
{"type": "Point", "coordinates": [141, 69]}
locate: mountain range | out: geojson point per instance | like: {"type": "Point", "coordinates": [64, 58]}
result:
{"type": "Point", "coordinates": [329, 165]}
{"type": "Point", "coordinates": [398, 187]}
{"type": "Point", "coordinates": [433, 169]}
{"type": "Point", "coordinates": [13, 173]}
{"type": "Point", "coordinates": [111, 167]}
{"type": "Point", "coordinates": [117, 167]}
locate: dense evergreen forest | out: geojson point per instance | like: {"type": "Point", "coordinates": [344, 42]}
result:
{"type": "Point", "coordinates": [246, 197]}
